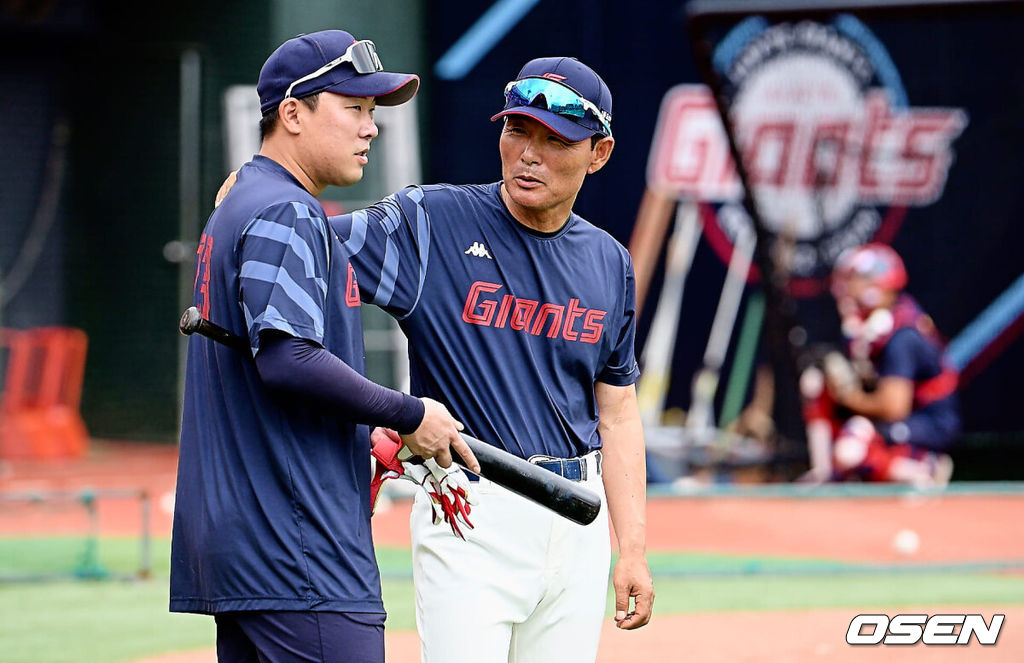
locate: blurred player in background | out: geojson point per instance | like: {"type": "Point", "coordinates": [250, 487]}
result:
{"type": "Point", "coordinates": [271, 521]}
{"type": "Point", "coordinates": [887, 410]}
{"type": "Point", "coordinates": [521, 319]}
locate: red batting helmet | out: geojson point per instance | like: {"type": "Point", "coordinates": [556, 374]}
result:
{"type": "Point", "coordinates": [876, 262]}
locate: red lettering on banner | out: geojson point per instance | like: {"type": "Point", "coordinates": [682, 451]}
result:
{"type": "Point", "coordinates": [874, 116]}
{"type": "Point", "coordinates": [902, 155]}
{"type": "Point", "coordinates": [829, 141]}
{"type": "Point", "coordinates": [351, 288]}
{"type": "Point", "coordinates": [768, 154]}
{"type": "Point", "coordinates": [529, 315]}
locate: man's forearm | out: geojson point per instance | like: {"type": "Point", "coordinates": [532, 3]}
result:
{"type": "Point", "coordinates": [625, 478]}
{"type": "Point", "coordinates": [625, 483]}
{"type": "Point", "coordinates": [885, 404]}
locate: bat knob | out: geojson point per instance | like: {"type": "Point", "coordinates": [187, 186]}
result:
{"type": "Point", "coordinates": [190, 320]}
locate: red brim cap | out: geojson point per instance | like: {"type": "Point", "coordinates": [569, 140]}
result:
{"type": "Point", "coordinates": [387, 89]}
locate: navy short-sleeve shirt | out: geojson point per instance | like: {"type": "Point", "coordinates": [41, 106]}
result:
{"type": "Point", "coordinates": [509, 327]}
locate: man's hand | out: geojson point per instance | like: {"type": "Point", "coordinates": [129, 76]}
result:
{"type": "Point", "coordinates": [225, 187]}
{"type": "Point", "coordinates": [632, 580]}
{"type": "Point", "coordinates": [450, 491]}
{"type": "Point", "coordinates": [437, 433]}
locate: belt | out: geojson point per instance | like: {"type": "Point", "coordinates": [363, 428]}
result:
{"type": "Point", "coordinates": [574, 469]}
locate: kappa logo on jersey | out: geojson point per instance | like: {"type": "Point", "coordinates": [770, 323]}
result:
{"type": "Point", "coordinates": [833, 150]}
{"type": "Point", "coordinates": [479, 250]}
{"type": "Point", "coordinates": [572, 321]}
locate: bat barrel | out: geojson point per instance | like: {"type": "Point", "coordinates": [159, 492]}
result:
{"type": "Point", "coordinates": [566, 498]}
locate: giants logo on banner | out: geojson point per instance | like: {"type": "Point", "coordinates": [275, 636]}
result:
{"type": "Point", "coordinates": [834, 153]}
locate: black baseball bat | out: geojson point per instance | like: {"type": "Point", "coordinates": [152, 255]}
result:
{"type": "Point", "coordinates": [564, 497]}
{"type": "Point", "coordinates": [193, 322]}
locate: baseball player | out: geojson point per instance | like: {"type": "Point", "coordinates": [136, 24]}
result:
{"type": "Point", "coordinates": [900, 427]}
{"type": "Point", "coordinates": [520, 316]}
{"type": "Point", "coordinates": [271, 529]}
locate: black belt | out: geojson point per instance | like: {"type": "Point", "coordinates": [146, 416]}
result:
{"type": "Point", "coordinates": [574, 469]}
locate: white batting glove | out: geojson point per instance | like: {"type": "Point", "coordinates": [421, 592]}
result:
{"type": "Point", "coordinates": [450, 491]}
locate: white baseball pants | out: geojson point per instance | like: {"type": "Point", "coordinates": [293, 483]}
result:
{"type": "Point", "coordinates": [526, 586]}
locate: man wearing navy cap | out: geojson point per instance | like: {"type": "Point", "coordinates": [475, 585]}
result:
{"type": "Point", "coordinates": [521, 319]}
{"type": "Point", "coordinates": [271, 523]}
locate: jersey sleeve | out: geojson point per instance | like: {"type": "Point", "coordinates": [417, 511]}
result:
{"type": "Point", "coordinates": [621, 367]}
{"type": "Point", "coordinates": [901, 355]}
{"type": "Point", "coordinates": [389, 246]}
{"type": "Point", "coordinates": [283, 272]}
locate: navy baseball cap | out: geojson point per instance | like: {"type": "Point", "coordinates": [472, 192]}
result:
{"type": "Point", "coordinates": [340, 63]}
{"type": "Point", "coordinates": [539, 92]}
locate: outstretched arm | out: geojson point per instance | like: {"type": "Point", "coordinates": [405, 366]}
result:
{"type": "Point", "coordinates": [625, 483]}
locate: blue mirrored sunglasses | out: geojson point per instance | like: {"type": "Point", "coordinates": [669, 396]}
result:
{"type": "Point", "coordinates": [558, 98]}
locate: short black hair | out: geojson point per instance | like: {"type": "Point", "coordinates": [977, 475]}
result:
{"type": "Point", "coordinates": [269, 119]}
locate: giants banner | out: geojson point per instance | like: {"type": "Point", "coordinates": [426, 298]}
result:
{"type": "Point", "coordinates": [833, 149]}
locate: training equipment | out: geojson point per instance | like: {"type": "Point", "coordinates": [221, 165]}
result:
{"type": "Point", "coordinates": [701, 417]}
{"type": "Point", "coordinates": [652, 387]}
{"type": "Point", "coordinates": [559, 494]}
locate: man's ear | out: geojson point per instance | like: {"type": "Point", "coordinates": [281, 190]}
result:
{"type": "Point", "coordinates": [600, 154]}
{"type": "Point", "coordinates": [288, 112]}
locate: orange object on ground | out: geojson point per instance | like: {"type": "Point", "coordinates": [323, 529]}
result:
{"type": "Point", "coordinates": [42, 391]}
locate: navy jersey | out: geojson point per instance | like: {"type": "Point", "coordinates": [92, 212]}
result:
{"type": "Point", "coordinates": [908, 354]}
{"type": "Point", "coordinates": [272, 507]}
{"type": "Point", "coordinates": [509, 327]}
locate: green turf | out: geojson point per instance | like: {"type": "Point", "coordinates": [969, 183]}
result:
{"type": "Point", "coordinates": [113, 621]}
{"type": "Point", "coordinates": [676, 595]}
{"type": "Point", "coordinates": [69, 556]}
{"type": "Point", "coordinates": [96, 621]}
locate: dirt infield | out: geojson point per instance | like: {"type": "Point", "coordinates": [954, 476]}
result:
{"type": "Point", "coordinates": [846, 530]}
{"type": "Point", "coordinates": [951, 528]}
{"type": "Point", "coordinates": [860, 530]}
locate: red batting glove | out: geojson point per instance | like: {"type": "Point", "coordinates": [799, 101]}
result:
{"type": "Point", "coordinates": [384, 447]}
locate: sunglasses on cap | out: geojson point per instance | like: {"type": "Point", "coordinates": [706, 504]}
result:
{"type": "Point", "coordinates": [361, 54]}
{"type": "Point", "coordinates": [559, 99]}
